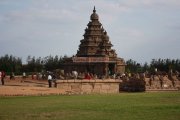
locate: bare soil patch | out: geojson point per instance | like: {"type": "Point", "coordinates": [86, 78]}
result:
{"type": "Point", "coordinates": [27, 87]}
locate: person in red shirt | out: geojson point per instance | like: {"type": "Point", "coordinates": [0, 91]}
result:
{"type": "Point", "coordinates": [87, 76]}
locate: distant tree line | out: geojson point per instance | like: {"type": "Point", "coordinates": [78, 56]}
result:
{"type": "Point", "coordinates": [164, 65]}
{"type": "Point", "coordinates": [9, 63]}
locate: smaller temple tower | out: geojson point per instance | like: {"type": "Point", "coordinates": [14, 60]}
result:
{"type": "Point", "coordinates": [95, 54]}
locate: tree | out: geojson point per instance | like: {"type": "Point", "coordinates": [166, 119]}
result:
{"type": "Point", "coordinates": [10, 64]}
{"type": "Point", "coordinates": [132, 66]}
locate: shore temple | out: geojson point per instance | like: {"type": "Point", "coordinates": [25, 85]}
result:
{"type": "Point", "coordinates": [95, 54]}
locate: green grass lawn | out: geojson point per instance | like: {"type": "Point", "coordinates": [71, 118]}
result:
{"type": "Point", "coordinates": [123, 106]}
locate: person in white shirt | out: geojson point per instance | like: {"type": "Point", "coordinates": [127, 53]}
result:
{"type": "Point", "coordinates": [75, 74]}
{"type": "Point", "coordinates": [50, 80]}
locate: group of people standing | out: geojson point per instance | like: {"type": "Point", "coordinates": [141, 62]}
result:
{"type": "Point", "coordinates": [52, 79]}
{"type": "Point", "coordinates": [2, 76]}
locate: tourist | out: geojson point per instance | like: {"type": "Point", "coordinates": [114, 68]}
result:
{"type": "Point", "coordinates": [50, 80]}
{"type": "Point", "coordinates": [114, 76]}
{"type": "Point", "coordinates": [2, 76]}
{"type": "Point", "coordinates": [43, 76]}
{"type": "Point", "coordinates": [34, 76]}
{"type": "Point", "coordinates": [23, 77]}
{"type": "Point", "coordinates": [75, 74]}
{"type": "Point", "coordinates": [39, 76]}
{"type": "Point", "coordinates": [12, 76]}
{"type": "Point", "coordinates": [54, 80]}
{"type": "Point", "coordinates": [87, 76]}
{"type": "Point", "coordinates": [95, 76]}
{"type": "Point", "coordinates": [91, 75]}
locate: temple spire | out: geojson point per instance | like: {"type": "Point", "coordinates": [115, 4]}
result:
{"type": "Point", "coordinates": [94, 9]}
{"type": "Point", "coordinates": [94, 15]}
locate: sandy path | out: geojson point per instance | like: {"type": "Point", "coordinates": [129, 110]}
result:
{"type": "Point", "coordinates": [28, 87]}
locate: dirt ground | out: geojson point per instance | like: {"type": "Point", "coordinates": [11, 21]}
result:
{"type": "Point", "coordinates": [17, 87]}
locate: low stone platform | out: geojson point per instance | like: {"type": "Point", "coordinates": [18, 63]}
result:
{"type": "Point", "coordinates": [89, 86]}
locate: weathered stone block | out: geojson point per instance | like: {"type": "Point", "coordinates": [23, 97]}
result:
{"type": "Point", "coordinates": [97, 86]}
{"type": "Point", "coordinates": [87, 86]}
{"type": "Point", "coordinates": [64, 87]}
{"type": "Point", "coordinates": [105, 86]}
{"type": "Point", "coordinates": [96, 91]}
{"type": "Point", "coordinates": [76, 87]}
{"type": "Point", "coordinates": [156, 78]}
{"type": "Point", "coordinates": [113, 91]}
{"type": "Point", "coordinates": [177, 84]}
{"type": "Point", "coordinates": [114, 86]}
{"type": "Point", "coordinates": [87, 90]}
{"type": "Point", "coordinates": [103, 91]}
{"type": "Point", "coordinates": [147, 81]}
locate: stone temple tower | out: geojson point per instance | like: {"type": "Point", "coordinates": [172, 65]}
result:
{"type": "Point", "coordinates": [96, 41]}
{"type": "Point", "coordinates": [95, 54]}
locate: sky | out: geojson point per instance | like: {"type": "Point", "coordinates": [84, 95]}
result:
{"type": "Point", "coordinates": [141, 30]}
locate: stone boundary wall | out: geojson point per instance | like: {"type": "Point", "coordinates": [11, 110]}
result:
{"type": "Point", "coordinates": [89, 86]}
{"type": "Point", "coordinates": [158, 82]}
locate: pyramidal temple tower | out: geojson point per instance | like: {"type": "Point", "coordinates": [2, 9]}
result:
{"type": "Point", "coordinates": [95, 54]}
{"type": "Point", "coordinates": [96, 41]}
